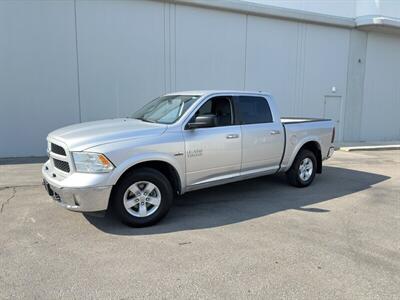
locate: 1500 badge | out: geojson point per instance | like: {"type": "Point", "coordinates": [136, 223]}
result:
{"type": "Point", "coordinates": [194, 153]}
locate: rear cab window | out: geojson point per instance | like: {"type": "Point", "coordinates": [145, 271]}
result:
{"type": "Point", "coordinates": [253, 110]}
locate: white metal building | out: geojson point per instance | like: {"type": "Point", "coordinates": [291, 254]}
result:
{"type": "Point", "coordinates": [63, 62]}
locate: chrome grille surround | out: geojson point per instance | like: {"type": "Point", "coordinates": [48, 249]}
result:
{"type": "Point", "coordinates": [57, 149]}
{"type": "Point", "coordinates": [60, 158]}
{"type": "Point", "coordinates": [61, 165]}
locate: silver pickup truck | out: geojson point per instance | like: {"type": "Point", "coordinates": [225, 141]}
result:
{"type": "Point", "coordinates": [178, 143]}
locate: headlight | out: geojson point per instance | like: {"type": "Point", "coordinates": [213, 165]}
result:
{"type": "Point", "coordinates": [87, 162]}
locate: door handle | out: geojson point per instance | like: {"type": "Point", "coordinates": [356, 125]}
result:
{"type": "Point", "coordinates": [232, 136]}
{"type": "Point", "coordinates": [274, 132]}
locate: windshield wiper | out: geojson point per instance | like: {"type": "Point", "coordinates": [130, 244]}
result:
{"type": "Point", "coordinates": [145, 120]}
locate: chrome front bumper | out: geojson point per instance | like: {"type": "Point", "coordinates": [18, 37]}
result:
{"type": "Point", "coordinates": [77, 198]}
{"type": "Point", "coordinates": [82, 200]}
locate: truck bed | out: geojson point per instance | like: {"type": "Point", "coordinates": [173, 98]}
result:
{"type": "Point", "coordinates": [300, 130]}
{"type": "Point", "coordinates": [295, 120]}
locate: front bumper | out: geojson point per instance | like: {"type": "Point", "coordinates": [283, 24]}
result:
{"type": "Point", "coordinates": [83, 198]}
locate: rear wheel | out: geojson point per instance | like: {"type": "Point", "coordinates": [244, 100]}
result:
{"type": "Point", "coordinates": [302, 171]}
{"type": "Point", "coordinates": [142, 198]}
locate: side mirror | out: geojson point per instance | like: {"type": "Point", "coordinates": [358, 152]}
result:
{"type": "Point", "coordinates": [203, 121]}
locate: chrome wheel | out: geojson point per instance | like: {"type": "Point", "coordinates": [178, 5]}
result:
{"type": "Point", "coordinates": [142, 199]}
{"type": "Point", "coordinates": [306, 169]}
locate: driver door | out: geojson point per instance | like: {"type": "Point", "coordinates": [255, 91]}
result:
{"type": "Point", "coordinates": [213, 153]}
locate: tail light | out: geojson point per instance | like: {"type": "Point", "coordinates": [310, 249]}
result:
{"type": "Point", "coordinates": [333, 134]}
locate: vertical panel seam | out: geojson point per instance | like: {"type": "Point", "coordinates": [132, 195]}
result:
{"type": "Point", "coordinates": [360, 121]}
{"type": "Point", "coordinates": [245, 52]}
{"type": "Point", "coordinates": [165, 46]}
{"type": "Point", "coordinates": [170, 47]}
{"type": "Point", "coordinates": [77, 64]}
{"type": "Point", "coordinates": [344, 103]}
{"type": "Point", "coordinates": [297, 76]}
{"type": "Point", "coordinates": [174, 15]}
{"type": "Point", "coordinates": [303, 62]}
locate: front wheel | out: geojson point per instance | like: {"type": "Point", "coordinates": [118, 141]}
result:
{"type": "Point", "coordinates": [302, 171]}
{"type": "Point", "coordinates": [142, 198]}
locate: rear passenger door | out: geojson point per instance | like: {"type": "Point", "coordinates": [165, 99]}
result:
{"type": "Point", "coordinates": [262, 136]}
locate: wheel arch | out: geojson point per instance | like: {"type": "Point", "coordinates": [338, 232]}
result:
{"type": "Point", "coordinates": [310, 144]}
{"type": "Point", "coordinates": [169, 169]}
{"type": "Point", "coordinates": [315, 148]}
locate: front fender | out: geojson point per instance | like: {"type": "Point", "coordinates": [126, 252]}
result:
{"type": "Point", "coordinates": [146, 157]}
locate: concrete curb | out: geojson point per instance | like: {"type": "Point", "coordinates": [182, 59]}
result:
{"type": "Point", "coordinates": [371, 148]}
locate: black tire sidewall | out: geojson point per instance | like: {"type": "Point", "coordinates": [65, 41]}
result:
{"type": "Point", "coordinates": [305, 154]}
{"type": "Point", "coordinates": [143, 174]}
{"type": "Point", "coordinates": [293, 175]}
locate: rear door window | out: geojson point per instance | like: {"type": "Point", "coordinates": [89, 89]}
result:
{"type": "Point", "coordinates": [253, 110]}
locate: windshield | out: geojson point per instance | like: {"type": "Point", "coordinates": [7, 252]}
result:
{"type": "Point", "coordinates": [165, 109]}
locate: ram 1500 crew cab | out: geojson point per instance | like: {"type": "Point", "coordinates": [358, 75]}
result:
{"type": "Point", "coordinates": [178, 143]}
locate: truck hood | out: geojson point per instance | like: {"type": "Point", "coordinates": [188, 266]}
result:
{"type": "Point", "coordinates": [82, 136]}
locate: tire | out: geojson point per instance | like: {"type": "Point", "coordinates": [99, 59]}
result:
{"type": "Point", "coordinates": [303, 169]}
{"type": "Point", "coordinates": [142, 198]}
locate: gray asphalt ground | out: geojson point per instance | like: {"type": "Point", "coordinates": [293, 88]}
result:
{"type": "Point", "coordinates": [337, 239]}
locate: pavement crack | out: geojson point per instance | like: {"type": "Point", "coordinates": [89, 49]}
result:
{"type": "Point", "coordinates": [2, 188]}
{"type": "Point", "coordinates": [4, 203]}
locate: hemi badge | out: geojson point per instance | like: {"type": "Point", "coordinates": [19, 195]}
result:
{"type": "Point", "coordinates": [178, 154]}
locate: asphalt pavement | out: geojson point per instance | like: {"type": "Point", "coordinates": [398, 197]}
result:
{"type": "Point", "coordinates": [260, 238]}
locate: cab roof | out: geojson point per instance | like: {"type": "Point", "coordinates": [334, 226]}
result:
{"type": "Point", "coordinates": [210, 92]}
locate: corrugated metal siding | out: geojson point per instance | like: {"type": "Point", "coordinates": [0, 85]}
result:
{"type": "Point", "coordinates": [66, 61]}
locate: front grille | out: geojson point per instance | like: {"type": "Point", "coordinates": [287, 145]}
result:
{"type": "Point", "coordinates": [61, 165]}
{"type": "Point", "coordinates": [58, 150]}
